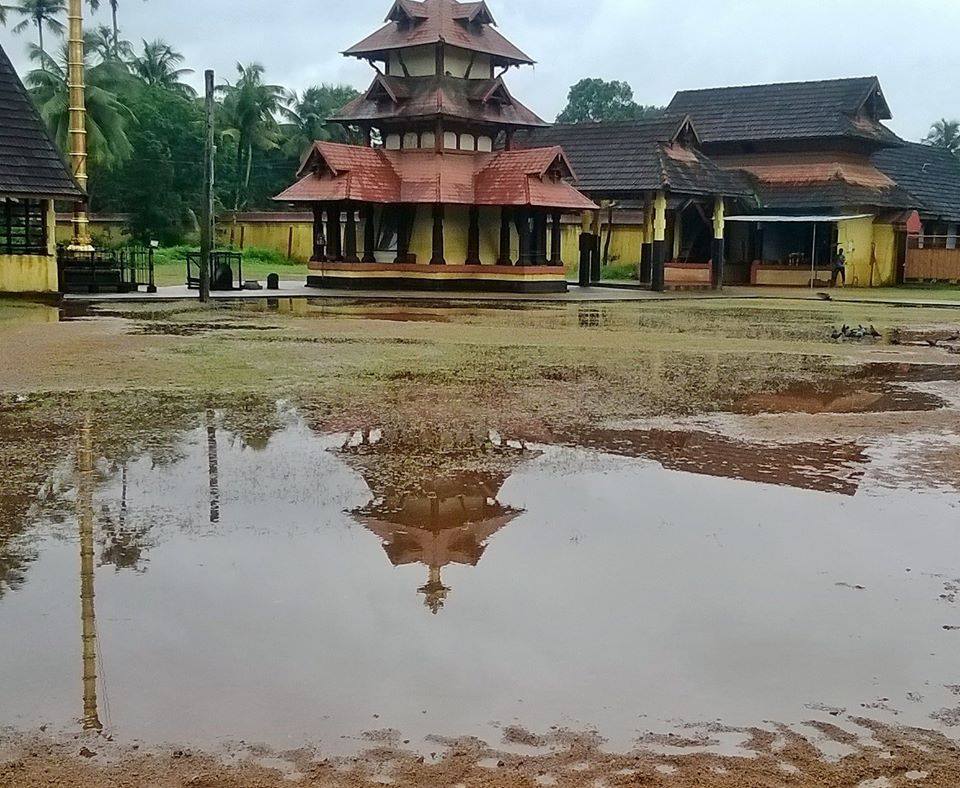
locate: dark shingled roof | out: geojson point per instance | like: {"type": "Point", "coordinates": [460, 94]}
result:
{"type": "Point", "coordinates": [788, 111]}
{"type": "Point", "coordinates": [830, 195]}
{"type": "Point", "coordinates": [636, 156]}
{"type": "Point", "coordinates": [30, 164]}
{"type": "Point", "coordinates": [932, 174]}
{"type": "Point", "coordinates": [479, 100]}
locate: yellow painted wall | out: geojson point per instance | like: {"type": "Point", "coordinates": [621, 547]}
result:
{"type": "Point", "coordinates": [870, 252]}
{"type": "Point", "coordinates": [28, 273]}
{"type": "Point", "coordinates": [274, 235]}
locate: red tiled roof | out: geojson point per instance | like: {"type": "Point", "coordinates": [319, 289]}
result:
{"type": "Point", "coordinates": [533, 177]}
{"type": "Point", "coordinates": [411, 23]}
{"type": "Point", "coordinates": [479, 100]}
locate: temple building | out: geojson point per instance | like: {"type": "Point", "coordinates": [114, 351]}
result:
{"type": "Point", "coordinates": [438, 198]}
{"type": "Point", "coordinates": [32, 175]}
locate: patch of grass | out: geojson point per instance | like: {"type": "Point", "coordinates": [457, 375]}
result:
{"type": "Point", "coordinates": [619, 272]}
{"type": "Point", "coordinates": [170, 264]}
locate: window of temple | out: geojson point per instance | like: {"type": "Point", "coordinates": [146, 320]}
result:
{"type": "Point", "coordinates": [468, 142]}
{"type": "Point", "coordinates": [450, 140]}
{"type": "Point", "coordinates": [428, 140]}
{"type": "Point", "coordinates": [393, 142]}
{"type": "Point", "coordinates": [23, 227]}
{"type": "Point", "coordinates": [485, 144]}
{"type": "Point", "coordinates": [411, 140]}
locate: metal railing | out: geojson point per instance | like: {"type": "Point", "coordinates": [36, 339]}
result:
{"type": "Point", "coordinates": [223, 266]}
{"type": "Point", "coordinates": [106, 270]}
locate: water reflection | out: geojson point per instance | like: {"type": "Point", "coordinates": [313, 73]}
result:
{"type": "Point", "coordinates": [85, 520]}
{"type": "Point", "coordinates": [433, 511]}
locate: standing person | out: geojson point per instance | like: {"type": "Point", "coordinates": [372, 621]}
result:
{"type": "Point", "coordinates": [839, 268]}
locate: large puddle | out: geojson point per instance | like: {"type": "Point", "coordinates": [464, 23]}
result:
{"type": "Point", "coordinates": [299, 586]}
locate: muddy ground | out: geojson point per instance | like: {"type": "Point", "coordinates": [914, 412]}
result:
{"type": "Point", "coordinates": [759, 373]}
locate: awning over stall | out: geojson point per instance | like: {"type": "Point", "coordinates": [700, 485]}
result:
{"type": "Point", "coordinates": [798, 219]}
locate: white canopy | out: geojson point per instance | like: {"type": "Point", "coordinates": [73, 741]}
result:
{"type": "Point", "coordinates": [797, 219]}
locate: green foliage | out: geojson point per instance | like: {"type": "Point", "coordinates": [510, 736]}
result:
{"type": "Point", "coordinates": [307, 117]}
{"type": "Point", "coordinates": [157, 67]}
{"type": "Point", "coordinates": [593, 100]}
{"type": "Point", "coordinates": [945, 134]}
{"type": "Point", "coordinates": [108, 117]}
{"type": "Point", "coordinates": [40, 14]}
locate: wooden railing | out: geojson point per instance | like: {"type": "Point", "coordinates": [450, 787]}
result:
{"type": "Point", "coordinates": [932, 258]}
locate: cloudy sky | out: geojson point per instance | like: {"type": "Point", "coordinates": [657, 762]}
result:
{"type": "Point", "coordinates": [655, 45]}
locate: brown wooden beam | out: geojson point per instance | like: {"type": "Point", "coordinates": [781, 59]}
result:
{"type": "Point", "coordinates": [369, 234]}
{"type": "Point", "coordinates": [473, 237]}
{"type": "Point", "coordinates": [438, 258]}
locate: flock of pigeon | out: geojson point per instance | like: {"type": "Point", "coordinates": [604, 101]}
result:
{"type": "Point", "coordinates": [847, 332]}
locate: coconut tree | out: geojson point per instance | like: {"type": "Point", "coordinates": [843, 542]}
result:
{"type": "Point", "coordinates": [95, 5]}
{"type": "Point", "coordinates": [157, 67]}
{"type": "Point", "coordinates": [101, 43]}
{"type": "Point", "coordinates": [107, 116]}
{"type": "Point", "coordinates": [308, 114]}
{"type": "Point", "coordinates": [40, 14]}
{"type": "Point", "coordinates": [945, 134]}
{"type": "Point", "coordinates": [250, 109]}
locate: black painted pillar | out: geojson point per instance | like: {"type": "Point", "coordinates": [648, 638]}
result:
{"type": "Point", "coordinates": [646, 257]}
{"type": "Point", "coordinates": [473, 237]}
{"type": "Point", "coordinates": [334, 243]}
{"type": "Point", "coordinates": [350, 236]}
{"type": "Point", "coordinates": [586, 255]}
{"type": "Point", "coordinates": [319, 239]}
{"type": "Point", "coordinates": [539, 237]}
{"type": "Point", "coordinates": [526, 237]}
{"type": "Point", "coordinates": [369, 234]}
{"type": "Point", "coordinates": [719, 260]}
{"type": "Point", "coordinates": [504, 258]}
{"type": "Point", "coordinates": [556, 241]}
{"type": "Point", "coordinates": [438, 258]}
{"type": "Point", "coordinates": [595, 258]}
{"type": "Point", "coordinates": [658, 263]}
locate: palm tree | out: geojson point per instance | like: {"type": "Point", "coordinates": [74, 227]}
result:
{"type": "Point", "coordinates": [250, 109]}
{"type": "Point", "coordinates": [38, 13]}
{"type": "Point", "coordinates": [307, 118]}
{"type": "Point", "coordinates": [95, 5]}
{"type": "Point", "coordinates": [100, 42]}
{"type": "Point", "coordinates": [945, 134]}
{"type": "Point", "coordinates": [157, 67]}
{"type": "Point", "coordinates": [107, 115]}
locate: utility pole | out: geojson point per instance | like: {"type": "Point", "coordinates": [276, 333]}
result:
{"type": "Point", "coordinates": [206, 227]}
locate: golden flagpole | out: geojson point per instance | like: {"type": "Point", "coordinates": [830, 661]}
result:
{"type": "Point", "coordinates": [78, 123]}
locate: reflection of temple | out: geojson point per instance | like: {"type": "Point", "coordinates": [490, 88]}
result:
{"type": "Point", "coordinates": [440, 508]}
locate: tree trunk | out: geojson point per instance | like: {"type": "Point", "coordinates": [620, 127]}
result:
{"type": "Point", "coordinates": [116, 30]}
{"type": "Point", "coordinates": [43, 58]}
{"type": "Point", "coordinates": [606, 245]}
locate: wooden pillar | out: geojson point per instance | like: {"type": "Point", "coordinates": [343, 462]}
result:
{"type": "Point", "coordinates": [438, 258]}
{"type": "Point", "coordinates": [350, 235]}
{"type": "Point", "coordinates": [595, 261]}
{"type": "Point", "coordinates": [319, 239]}
{"type": "Point", "coordinates": [504, 258]}
{"type": "Point", "coordinates": [473, 237]}
{"type": "Point", "coordinates": [719, 245]}
{"type": "Point", "coordinates": [526, 240]}
{"type": "Point", "coordinates": [334, 242]}
{"type": "Point", "coordinates": [539, 252]}
{"type": "Point", "coordinates": [408, 214]}
{"type": "Point", "coordinates": [646, 251]}
{"type": "Point", "coordinates": [556, 241]}
{"type": "Point", "coordinates": [659, 259]}
{"type": "Point", "coordinates": [369, 234]}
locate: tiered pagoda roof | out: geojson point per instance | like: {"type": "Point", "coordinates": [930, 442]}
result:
{"type": "Point", "coordinates": [535, 177]}
{"type": "Point", "coordinates": [30, 164]}
{"type": "Point", "coordinates": [416, 98]}
{"type": "Point", "coordinates": [467, 26]}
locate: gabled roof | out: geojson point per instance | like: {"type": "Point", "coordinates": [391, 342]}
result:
{"type": "Point", "coordinates": [478, 100]}
{"type": "Point", "coordinates": [637, 156]}
{"type": "Point", "coordinates": [413, 23]}
{"type": "Point", "coordinates": [332, 172]}
{"type": "Point", "coordinates": [30, 164]}
{"type": "Point", "coordinates": [931, 174]}
{"type": "Point", "coordinates": [838, 108]}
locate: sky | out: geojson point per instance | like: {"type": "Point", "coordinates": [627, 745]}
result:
{"type": "Point", "coordinates": [658, 47]}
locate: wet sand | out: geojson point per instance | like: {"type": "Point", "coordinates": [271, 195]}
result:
{"type": "Point", "coordinates": [607, 546]}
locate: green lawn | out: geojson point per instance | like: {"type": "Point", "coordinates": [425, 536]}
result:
{"type": "Point", "coordinates": [170, 266]}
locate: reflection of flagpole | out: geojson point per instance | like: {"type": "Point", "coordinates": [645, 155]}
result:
{"type": "Point", "coordinates": [91, 719]}
{"type": "Point", "coordinates": [213, 467]}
